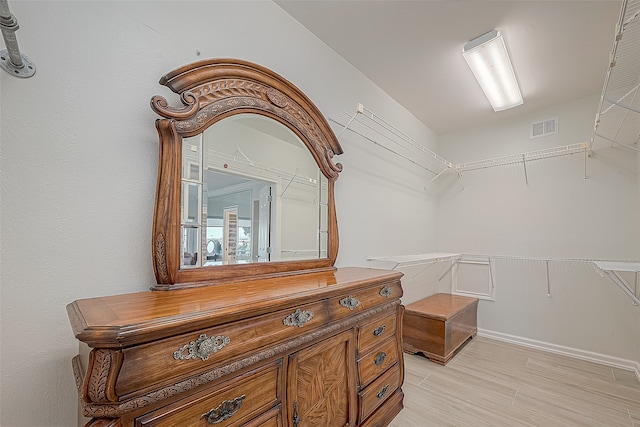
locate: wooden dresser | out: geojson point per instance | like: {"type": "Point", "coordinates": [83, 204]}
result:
{"type": "Point", "coordinates": [249, 323]}
{"type": "Point", "coordinates": [317, 349]}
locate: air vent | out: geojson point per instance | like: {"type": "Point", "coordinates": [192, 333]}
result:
{"type": "Point", "coordinates": [544, 128]}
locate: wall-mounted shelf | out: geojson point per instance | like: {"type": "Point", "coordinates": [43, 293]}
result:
{"type": "Point", "coordinates": [612, 269]}
{"type": "Point", "coordinates": [413, 260]}
{"type": "Point", "coordinates": [618, 118]}
{"type": "Point", "coordinates": [376, 130]}
{"type": "Point", "coordinates": [608, 268]}
{"type": "Point", "coordinates": [371, 127]}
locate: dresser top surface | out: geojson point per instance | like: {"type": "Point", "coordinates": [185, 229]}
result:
{"type": "Point", "coordinates": [118, 316]}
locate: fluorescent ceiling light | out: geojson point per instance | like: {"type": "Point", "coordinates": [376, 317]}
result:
{"type": "Point", "coordinates": [489, 61]}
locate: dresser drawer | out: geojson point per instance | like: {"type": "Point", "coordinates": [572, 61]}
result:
{"type": "Point", "coordinates": [378, 360]}
{"type": "Point", "coordinates": [380, 390]}
{"type": "Point", "coordinates": [235, 403]}
{"type": "Point", "coordinates": [173, 359]}
{"type": "Point", "coordinates": [273, 418]}
{"type": "Point", "coordinates": [376, 331]}
{"type": "Point", "coordinates": [348, 304]}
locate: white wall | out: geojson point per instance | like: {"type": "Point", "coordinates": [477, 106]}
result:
{"type": "Point", "coordinates": [638, 247]}
{"type": "Point", "coordinates": [558, 215]}
{"type": "Point", "coordinates": [79, 156]}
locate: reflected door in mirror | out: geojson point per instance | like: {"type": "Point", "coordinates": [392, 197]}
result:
{"type": "Point", "coordinates": [252, 192]}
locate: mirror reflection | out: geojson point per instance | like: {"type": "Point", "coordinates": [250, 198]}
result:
{"type": "Point", "coordinates": [251, 192]}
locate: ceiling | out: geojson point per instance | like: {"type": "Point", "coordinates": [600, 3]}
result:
{"type": "Point", "coordinates": [412, 50]}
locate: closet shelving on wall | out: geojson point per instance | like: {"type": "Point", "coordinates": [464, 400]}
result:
{"type": "Point", "coordinates": [240, 163]}
{"type": "Point", "coordinates": [617, 121]}
{"type": "Point", "coordinates": [376, 130]}
{"type": "Point", "coordinates": [610, 269]}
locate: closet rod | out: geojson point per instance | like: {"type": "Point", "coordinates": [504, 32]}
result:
{"type": "Point", "coordinates": [419, 259]}
{"type": "Point", "coordinates": [609, 268]}
{"type": "Point", "coordinates": [519, 158]}
{"type": "Point", "coordinates": [363, 115]}
{"type": "Point", "coordinates": [421, 148]}
{"type": "Point", "coordinates": [369, 120]}
{"type": "Point", "coordinates": [262, 169]}
{"type": "Point", "coordinates": [17, 64]}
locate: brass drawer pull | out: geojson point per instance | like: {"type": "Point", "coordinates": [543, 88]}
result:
{"type": "Point", "coordinates": [383, 392]}
{"type": "Point", "coordinates": [379, 330]}
{"type": "Point", "coordinates": [203, 347]}
{"type": "Point", "coordinates": [386, 291]}
{"type": "Point", "coordinates": [299, 318]}
{"type": "Point", "coordinates": [379, 360]}
{"type": "Point", "coordinates": [350, 302]}
{"type": "Point", "coordinates": [224, 411]}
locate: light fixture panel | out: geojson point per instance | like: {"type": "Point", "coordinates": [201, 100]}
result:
{"type": "Point", "coordinates": [489, 61]}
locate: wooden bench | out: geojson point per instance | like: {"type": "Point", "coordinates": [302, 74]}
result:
{"type": "Point", "coordinates": [439, 325]}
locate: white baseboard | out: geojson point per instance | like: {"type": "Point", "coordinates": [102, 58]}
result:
{"type": "Point", "coordinates": [603, 359]}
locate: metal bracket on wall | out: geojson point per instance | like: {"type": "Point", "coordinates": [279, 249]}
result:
{"type": "Point", "coordinates": [11, 60]}
{"type": "Point", "coordinates": [611, 269]}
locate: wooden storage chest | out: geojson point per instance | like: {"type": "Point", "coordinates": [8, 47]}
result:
{"type": "Point", "coordinates": [439, 325]}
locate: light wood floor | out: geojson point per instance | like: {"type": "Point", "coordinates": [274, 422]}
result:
{"type": "Point", "coordinates": [492, 383]}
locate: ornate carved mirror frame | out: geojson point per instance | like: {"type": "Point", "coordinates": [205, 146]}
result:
{"type": "Point", "coordinates": [210, 91]}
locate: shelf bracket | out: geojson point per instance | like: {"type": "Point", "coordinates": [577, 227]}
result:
{"type": "Point", "coordinates": [615, 277]}
{"type": "Point", "coordinates": [453, 262]}
{"type": "Point", "coordinates": [461, 180]}
{"type": "Point", "coordinates": [611, 269]}
{"type": "Point", "coordinates": [436, 177]}
{"type": "Point", "coordinates": [548, 282]}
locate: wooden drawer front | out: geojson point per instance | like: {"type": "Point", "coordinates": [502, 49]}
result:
{"type": "Point", "coordinates": [378, 360]}
{"type": "Point", "coordinates": [379, 391]}
{"type": "Point", "coordinates": [376, 331]}
{"type": "Point", "coordinates": [273, 418]}
{"type": "Point", "coordinates": [346, 305]}
{"type": "Point", "coordinates": [233, 404]}
{"type": "Point", "coordinates": [155, 363]}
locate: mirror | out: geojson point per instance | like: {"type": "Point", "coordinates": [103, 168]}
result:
{"type": "Point", "coordinates": [252, 193]}
{"type": "Point", "coordinates": [245, 178]}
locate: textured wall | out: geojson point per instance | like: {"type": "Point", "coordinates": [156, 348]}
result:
{"type": "Point", "coordinates": [79, 156]}
{"type": "Point", "coordinates": [558, 215]}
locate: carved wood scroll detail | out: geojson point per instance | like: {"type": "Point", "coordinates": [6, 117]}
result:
{"type": "Point", "coordinates": [223, 97]}
{"type": "Point", "coordinates": [207, 102]}
{"type": "Point", "coordinates": [160, 252]}
{"type": "Point", "coordinates": [104, 366]}
{"type": "Point", "coordinates": [189, 108]}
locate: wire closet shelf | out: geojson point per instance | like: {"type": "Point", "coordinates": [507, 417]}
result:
{"type": "Point", "coordinates": [373, 128]}
{"type": "Point", "coordinates": [617, 121]}
{"type": "Point", "coordinates": [609, 268]}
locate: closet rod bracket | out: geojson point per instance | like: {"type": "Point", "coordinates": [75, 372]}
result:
{"type": "Point", "coordinates": [11, 60]}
